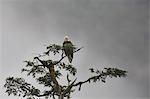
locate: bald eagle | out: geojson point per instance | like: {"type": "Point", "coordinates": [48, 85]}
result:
{"type": "Point", "coordinates": [68, 48]}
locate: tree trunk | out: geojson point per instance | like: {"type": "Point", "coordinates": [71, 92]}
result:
{"type": "Point", "coordinates": [61, 96]}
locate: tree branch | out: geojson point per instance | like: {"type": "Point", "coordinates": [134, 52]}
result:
{"type": "Point", "coordinates": [19, 85]}
{"type": "Point", "coordinates": [112, 72]}
{"type": "Point", "coordinates": [66, 56]}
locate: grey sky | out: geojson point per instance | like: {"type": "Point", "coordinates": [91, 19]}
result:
{"type": "Point", "coordinates": [114, 33]}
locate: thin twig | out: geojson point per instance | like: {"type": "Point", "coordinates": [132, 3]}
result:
{"type": "Point", "coordinates": [88, 80]}
{"type": "Point", "coordinates": [66, 56]}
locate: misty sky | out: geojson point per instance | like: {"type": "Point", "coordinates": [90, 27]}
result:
{"type": "Point", "coordinates": [114, 33]}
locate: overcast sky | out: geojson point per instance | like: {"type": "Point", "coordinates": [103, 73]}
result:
{"type": "Point", "coordinates": [114, 33]}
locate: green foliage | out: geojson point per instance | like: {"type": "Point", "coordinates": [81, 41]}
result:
{"type": "Point", "coordinates": [55, 49]}
{"type": "Point", "coordinates": [45, 80]}
{"type": "Point", "coordinates": [102, 75]}
{"type": "Point", "coordinates": [45, 72]}
{"type": "Point", "coordinates": [72, 70]}
{"type": "Point", "coordinates": [18, 86]}
{"type": "Point", "coordinates": [33, 68]}
{"type": "Point", "coordinates": [111, 72]}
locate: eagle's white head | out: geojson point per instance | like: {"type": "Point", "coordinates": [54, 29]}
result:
{"type": "Point", "coordinates": [66, 38]}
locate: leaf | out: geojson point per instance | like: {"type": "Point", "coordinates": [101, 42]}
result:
{"type": "Point", "coordinates": [92, 70]}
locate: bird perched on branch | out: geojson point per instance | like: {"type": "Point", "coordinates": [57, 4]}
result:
{"type": "Point", "coordinates": [68, 48]}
